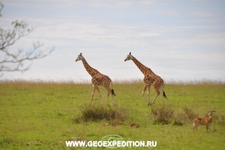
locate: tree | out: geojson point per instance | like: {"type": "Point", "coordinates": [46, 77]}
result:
{"type": "Point", "coordinates": [12, 61]}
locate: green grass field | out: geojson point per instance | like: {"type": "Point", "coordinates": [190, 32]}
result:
{"type": "Point", "coordinates": [43, 115]}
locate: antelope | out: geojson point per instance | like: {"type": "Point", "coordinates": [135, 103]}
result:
{"type": "Point", "coordinates": [203, 121]}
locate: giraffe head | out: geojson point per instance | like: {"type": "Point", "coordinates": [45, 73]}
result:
{"type": "Point", "coordinates": [80, 57]}
{"type": "Point", "coordinates": [129, 57]}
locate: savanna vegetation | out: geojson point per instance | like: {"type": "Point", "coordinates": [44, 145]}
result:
{"type": "Point", "coordinates": [43, 115]}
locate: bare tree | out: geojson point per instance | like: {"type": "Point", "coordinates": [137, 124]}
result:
{"type": "Point", "coordinates": [11, 61]}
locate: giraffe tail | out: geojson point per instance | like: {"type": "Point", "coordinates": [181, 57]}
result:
{"type": "Point", "coordinates": [164, 94]}
{"type": "Point", "coordinates": [113, 93]}
{"type": "Point", "coordinates": [162, 91]}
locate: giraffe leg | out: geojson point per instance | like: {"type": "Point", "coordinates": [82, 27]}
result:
{"type": "Point", "coordinates": [148, 97]}
{"type": "Point", "coordinates": [109, 91]}
{"type": "Point", "coordinates": [155, 98]}
{"type": "Point", "coordinates": [157, 94]}
{"type": "Point", "coordinates": [159, 90]}
{"type": "Point", "coordinates": [99, 93]}
{"type": "Point", "coordinates": [143, 92]}
{"type": "Point", "coordinates": [92, 94]}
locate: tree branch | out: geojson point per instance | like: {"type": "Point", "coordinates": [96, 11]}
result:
{"type": "Point", "coordinates": [14, 61]}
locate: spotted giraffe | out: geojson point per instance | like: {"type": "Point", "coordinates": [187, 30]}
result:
{"type": "Point", "coordinates": [97, 80]}
{"type": "Point", "coordinates": [150, 78]}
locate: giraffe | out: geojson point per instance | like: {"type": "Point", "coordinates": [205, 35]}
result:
{"type": "Point", "coordinates": [150, 78]}
{"type": "Point", "coordinates": [98, 79]}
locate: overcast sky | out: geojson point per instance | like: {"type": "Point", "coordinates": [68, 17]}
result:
{"type": "Point", "coordinates": [177, 39]}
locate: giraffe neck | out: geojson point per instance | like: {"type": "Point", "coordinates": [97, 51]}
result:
{"type": "Point", "coordinates": [142, 67]}
{"type": "Point", "coordinates": [89, 69]}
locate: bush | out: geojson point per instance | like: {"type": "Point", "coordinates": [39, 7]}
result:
{"type": "Point", "coordinates": [190, 113]}
{"type": "Point", "coordinates": [162, 114]}
{"type": "Point", "coordinates": [180, 118]}
{"type": "Point", "coordinates": [114, 115]}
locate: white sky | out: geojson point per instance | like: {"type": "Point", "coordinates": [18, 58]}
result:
{"type": "Point", "coordinates": [178, 40]}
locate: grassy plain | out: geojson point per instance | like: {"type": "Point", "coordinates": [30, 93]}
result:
{"type": "Point", "coordinates": [43, 115]}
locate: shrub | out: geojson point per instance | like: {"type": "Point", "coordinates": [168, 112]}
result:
{"type": "Point", "coordinates": [179, 118]}
{"type": "Point", "coordinates": [190, 113]}
{"type": "Point", "coordinates": [162, 114]}
{"type": "Point", "coordinates": [114, 115]}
